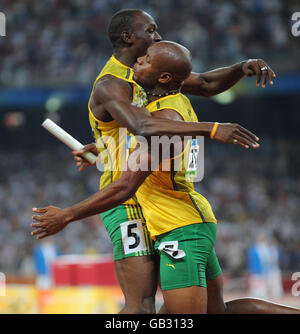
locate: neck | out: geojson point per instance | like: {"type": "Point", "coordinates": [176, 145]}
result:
{"type": "Point", "coordinates": [157, 93]}
{"type": "Point", "coordinates": [125, 57]}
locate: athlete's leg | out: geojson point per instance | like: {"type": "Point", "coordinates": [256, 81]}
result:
{"type": "Point", "coordinates": [190, 300]}
{"type": "Point", "coordinates": [183, 278]}
{"type": "Point", "coordinates": [258, 306]}
{"type": "Point", "coordinates": [134, 258]}
{"type": "Point", "coordinates": [216, 304]}
{"type": "Point", "coordinates": [137, 277]}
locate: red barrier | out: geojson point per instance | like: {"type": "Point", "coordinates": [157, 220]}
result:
{"type": "Point", "coordinates": [84, 270]}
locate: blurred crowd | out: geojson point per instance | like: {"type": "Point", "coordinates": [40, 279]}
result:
{"type": "Point", "coordinates": [64, 42]}
{"type": "Point", "coordinates": [54, 42]}
{"type": "Point", "coordinates": [254, 193]}
{"type": "Point", "coordinates": [38, 179]}
{"type": "Point", "coordinates": [251, 192]}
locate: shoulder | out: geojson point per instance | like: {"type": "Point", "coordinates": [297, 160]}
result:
{"type": "Point", "coordinates": [109, 87]}
{"type": "Point", "coordinates": [108, 82]}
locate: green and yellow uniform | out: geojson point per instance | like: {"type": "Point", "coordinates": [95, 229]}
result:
{"type": "Point", "coordinates": [125, 223]}
{"type": "Point", "coordinates": [178, 216]}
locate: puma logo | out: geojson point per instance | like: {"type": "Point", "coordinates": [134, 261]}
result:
{"type": "Point", "coordinates": [170, 265]}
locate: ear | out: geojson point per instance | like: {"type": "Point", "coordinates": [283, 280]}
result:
{"type": "Point", "coordinates": [126, 37]}
{"type": "Point", "coordinates": [165, 77]}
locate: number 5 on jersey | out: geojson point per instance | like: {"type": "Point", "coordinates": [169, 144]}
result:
{"type": "Point", "coordinates": [133, 236]}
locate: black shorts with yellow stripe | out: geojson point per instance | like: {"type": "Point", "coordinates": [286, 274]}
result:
{"type": "Point", "coordinates": [127, 229]}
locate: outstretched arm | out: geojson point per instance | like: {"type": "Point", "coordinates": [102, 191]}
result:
{"type": "Point", "coordinates": [112, 95]}
{"type": "Point", "coordinates": [217, 81]}
{"type": "Point", "coordinates": [51, 220]}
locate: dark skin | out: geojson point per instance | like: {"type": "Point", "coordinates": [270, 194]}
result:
{"type": "Point", "coordinates": [144, 33]}
{"type": "Point", "coordinates": [208, 300]}
{"type": "Point", "coordinates": [112, 97]}
{"type": "Point", "coordinates": [112, 100]}
{"type": "Point", "coordinates": [219, 80]}
{"type": "Point", "coordinates": [163, 84]}
{"type": "Point", "coordinates": [54, 219]}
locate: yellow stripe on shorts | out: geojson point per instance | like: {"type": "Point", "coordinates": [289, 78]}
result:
{"type": "Point", "coordinates": [128, 212]}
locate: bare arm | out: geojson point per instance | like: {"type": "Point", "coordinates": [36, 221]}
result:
{"type": "Point", "coordinates": [140, 122]}
{"type": "Point", "coordinates": [55, 219]}
{"type": "Point", "coordinates": [52, 219]}
{"type": "Point", "coordinates": [217, 81]}
{"type": "Point", "coordinates": [113, 96]}
{"type": "Point", "coordinates": [157, 126]}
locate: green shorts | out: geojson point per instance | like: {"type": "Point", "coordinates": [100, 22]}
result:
{"type": "Point", "coordinates": [198, 263]}
{"type": "Point", "coordinates": [127, 229]}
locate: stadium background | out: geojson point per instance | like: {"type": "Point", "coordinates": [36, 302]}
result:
{"type": "Point", "coordinates": [48, 61]}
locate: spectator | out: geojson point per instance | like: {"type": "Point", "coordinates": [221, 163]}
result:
{"type": "Point", "coordinates": [245, 199]}
{"type": "Point", "coordinates": [263, 268]}
{"type": "Point", "coordinates": [44, 254]}
{"type": "Point", "coordinates": [64, 42]}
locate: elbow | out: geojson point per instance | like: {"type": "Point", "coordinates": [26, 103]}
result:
{"type": "Point", "coordinates": [141, 128]}
{"type": "Point", "coordinates": [126, 195]}
{"type": "Point", "coordinates": [126, 190]}
{"type": "Point", "coordinates": [207, 91]}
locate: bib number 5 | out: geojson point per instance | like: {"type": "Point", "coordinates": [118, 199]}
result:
{"type": "Point", "coordinates": [133, 238]}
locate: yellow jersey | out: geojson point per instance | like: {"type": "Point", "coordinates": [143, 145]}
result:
{"type": "Point", "coordinates": [112, 140]}
{"type": "Point", "coordinates": [168, 198]}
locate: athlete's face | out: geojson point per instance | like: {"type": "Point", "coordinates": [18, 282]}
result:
{"type": "Point", "coordinates": [147, 69]}
{"type": "Point", "coordinates": [144, 33]}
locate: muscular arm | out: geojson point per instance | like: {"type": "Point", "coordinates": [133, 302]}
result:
{"type": "Point", "coordinates": [217, 81]}
{"type": "Point", "coordinates": [110, 197]}
{"type": "Point", "coordinates": [52, 220]}
{"type": "Point", "coordinates": [213, 82]}
{"type": "Point", "coordinates": [55, 219]}
{"type": "Point", "coordinates": [113, 95]}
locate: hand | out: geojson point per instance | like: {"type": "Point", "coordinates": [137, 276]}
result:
{"type": "Point", "coordinates": [52, 221]}
{"type": "Point", "coordinates": [81, 163]}
{"type": "Point", "coordinates": [232, 133]}
{"type": "Point", "coordinates": [253, 67]}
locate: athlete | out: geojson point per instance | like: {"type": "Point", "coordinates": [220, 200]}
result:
{"type": "Point", "coordinates": [131, 32]}
{"type": "Point", "coordinates": [110, 108]}
{"type": "Point", "coordinates": [161, 194]}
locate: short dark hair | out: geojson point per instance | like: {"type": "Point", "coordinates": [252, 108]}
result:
{"type": "Point", "coordinates": [121, 21]}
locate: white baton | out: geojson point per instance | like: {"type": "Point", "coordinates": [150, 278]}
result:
{"type": "Point", "coordinates": [67, 139]}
